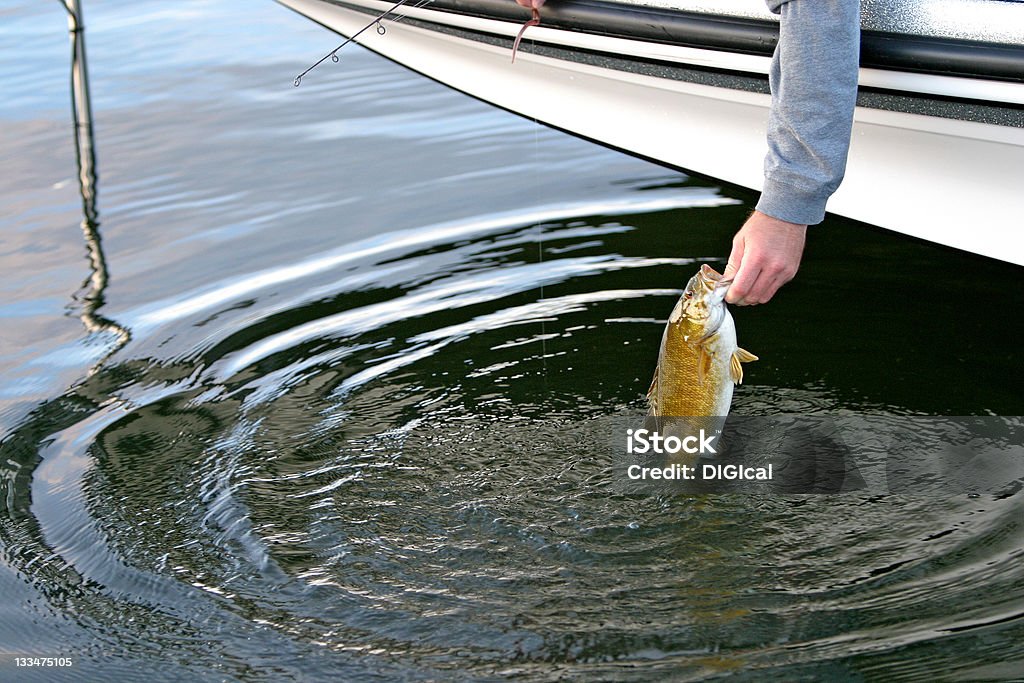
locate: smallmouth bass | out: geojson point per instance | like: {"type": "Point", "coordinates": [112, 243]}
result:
{"type": "Point", "coordinates": [699, 361]}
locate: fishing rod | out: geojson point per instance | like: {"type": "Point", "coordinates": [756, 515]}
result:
{"type": "Point", "coordinates": [381, 30]}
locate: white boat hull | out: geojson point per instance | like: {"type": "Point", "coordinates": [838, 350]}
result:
{"type": "Point", "coordinates": [956, 182]}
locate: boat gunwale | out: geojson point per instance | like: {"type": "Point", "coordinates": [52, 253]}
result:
{"type": "Point", "coordinates": [875, 90]}
{"type": "Point", "coordinates": [744, 35]}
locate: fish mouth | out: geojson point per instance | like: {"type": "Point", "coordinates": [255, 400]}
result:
{"type": "Point", "coordinates": [709, 273]}
{"type": "Point", "coordinates": [713, 278]}
{"type": "Point", "coordinates": [714, 284]}
{"type": "Point", "coordinates": [709, 287]}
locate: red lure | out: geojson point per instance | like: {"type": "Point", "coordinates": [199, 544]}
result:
{"type": "Point", "coordinates": [534, 6]}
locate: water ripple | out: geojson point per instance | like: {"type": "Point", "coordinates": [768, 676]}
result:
{"type": "Point", "coordinates": [402, 241]}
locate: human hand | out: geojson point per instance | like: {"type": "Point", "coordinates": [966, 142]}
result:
{"type": "Point", "coordinates": [765, 255]}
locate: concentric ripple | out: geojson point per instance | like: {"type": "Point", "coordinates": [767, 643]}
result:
{"type": "Point", "coordinates": [394, 468]}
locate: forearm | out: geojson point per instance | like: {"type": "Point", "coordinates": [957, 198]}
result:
{"type": "Point", "coordinates": [814, 89]}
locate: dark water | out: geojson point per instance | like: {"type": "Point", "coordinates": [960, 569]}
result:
{"type": "Point", "coordinates": [338, 408]}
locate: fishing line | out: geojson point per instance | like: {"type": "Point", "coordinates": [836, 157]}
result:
{"type": "Point", "coordinates": [333, 54]}
{"type": "Point", "coordinates": [540, 256]}
{"type": "Point", "coordinates": [419, 4]}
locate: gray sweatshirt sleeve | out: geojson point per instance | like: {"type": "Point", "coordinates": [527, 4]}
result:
{"type": "Point", "coordinates": [813, 81]}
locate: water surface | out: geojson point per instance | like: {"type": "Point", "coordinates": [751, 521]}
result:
{"type": "Point", "coordinates": [339, 407]}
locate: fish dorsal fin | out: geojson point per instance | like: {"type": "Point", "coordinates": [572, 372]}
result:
{"type": "Point", "coordinates": [735, 369]}
{"type": "Point", "coordinates": [652, 393]}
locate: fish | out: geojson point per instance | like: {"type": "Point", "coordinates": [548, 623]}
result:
{"type": "Point", "coordinates": [699, 361]}
{"type": "Point", "coordinates": [534, 6]}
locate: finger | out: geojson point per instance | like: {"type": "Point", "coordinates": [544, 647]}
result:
{"type": "Point", "coordinates": [767, 287]}
{"type": "Point", "coordinates": [731, 269]}
{"type": "Point", "coordinates": [745, 281]}
{"type": "Point", "coordinates": [746, 285]}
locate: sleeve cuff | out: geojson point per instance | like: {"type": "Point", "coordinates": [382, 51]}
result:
{"type": "Point", "coordinates": [792, 204]}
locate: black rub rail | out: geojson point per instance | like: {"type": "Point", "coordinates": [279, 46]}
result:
{"type": "Point", "coordinates": [921, 54]}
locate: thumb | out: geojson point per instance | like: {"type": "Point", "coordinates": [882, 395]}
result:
{"type": "Point", "coordinates": [733, 266]}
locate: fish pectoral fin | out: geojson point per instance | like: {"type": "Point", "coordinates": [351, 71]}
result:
{"type": "Point", "coordinates": [744, 355]}
{"type": "Point", "coordinates": [704, 359]}
{"type": "Point", "coordinates": [735, 368]}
